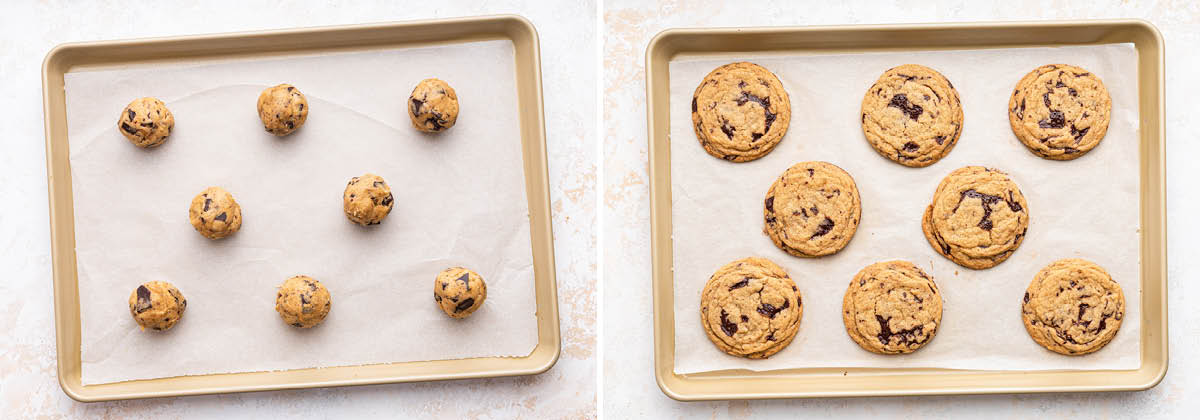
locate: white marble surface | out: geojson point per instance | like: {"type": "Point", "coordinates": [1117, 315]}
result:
{"type": "Point", "coordinates": [28, 383]}
{"type": "Point", "coordinates": [629, 390]}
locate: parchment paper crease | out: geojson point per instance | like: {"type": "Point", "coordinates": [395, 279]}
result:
{"type": "Point", "coordinates": [460, 200]}
{"type": "Point", "coordinates": [1085, 208]}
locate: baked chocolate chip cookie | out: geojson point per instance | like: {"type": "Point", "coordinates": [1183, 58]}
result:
{"type": "Point", "coordinates": [812, 209]}
{"type": "Point", "coordinates": [1059, 111]}
{"type": "Point", "coordinates": [146, 122]}
{"type": "Point", "coordinates": [459, 291]}
{"type": "Point", "coordinates": [740, 112]}
{"type": "Point", "coordinates": [892, 307]}
{"type": "Point", "coordinates": [1073, 307]}
{"type": "Point", "coordinates": [367, 199]}
{"type": "Point", "coordinates": [282, 109]}
{"type": "Point", "coordinates": [302, 302]}
{"type": "Point", "coordinates": [157, 305]}
{"type": "Point", "coordinates": [978, 217]}
{"type": "Point", "coordinates": [215, 214]}
{"type": "Point", "coordinates": [433, 106]}
{"type": "Point", "coordinates": [751, 308]}
{"type": "Point", "coordinates": [912, 115]}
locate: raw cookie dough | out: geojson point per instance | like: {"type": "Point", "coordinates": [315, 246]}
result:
{"type": "Point", "coordinates": [433, 106]}
{"type": "Point", "coordinates": [740, 112]}
{"type": "Point", "coordinates": [302, 302]}
{"type": "Point", "coordinates": [146, 122]}
{"type": "Point", "coordinates": [367, 199]}
{"type": "Point", "coordinates": [215, 214]}
{"type": "Point", "coordinates": [751, 308]}
{"type": "Point", "coordinates": [978, 217]}
{"type": "Point", "coordinates": [459, 291]}
{"type": "Point", "coordinates": [1073, 307]}
{"type": "Point", "coordinates": [812, 209]}
{"type": "Point", "coordinates": [1059, 111]}
{"type": "Point", "coordinates": [157, 305]}
{"type": "Point", "coordinates": [892, 307]}
{"type": "Point", "coordinates": [912, 115]}
{"type": "Point", "coordinates": [282, 109]}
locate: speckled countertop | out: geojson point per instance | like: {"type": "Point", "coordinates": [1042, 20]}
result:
{"type": "Point", "coordinates": [629, 390]}
{"type": "Point", "coordinates": [28, 382]}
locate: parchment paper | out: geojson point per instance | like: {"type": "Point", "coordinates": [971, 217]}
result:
{"type": "Point", "coordinates": [459, 200]}
{"type": "Point", "coordinates": [1085, 208]}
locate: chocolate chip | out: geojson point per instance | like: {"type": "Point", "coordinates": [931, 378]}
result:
{"type": "Point", "coordinates": [1078, 134]}
{"type": "Point", "coordinates": [220, 217]}
{"type": "Point", "coordinates": [301, 107]}
{"type": "Point", "coordinates": [207, 202]}
{"type": "Point", "coordinates": [771, 336]}
{"type": "Point", "coordinates": [143, 299]}
{"type": "Point", "coordinates": [291, 125]}
{"type": "Point", "coordinates": [745, 318]}
{"type": "Point", "coordinates": [131, 114]}
{"type": "Point", "coordinates": [1059, 84]}
{"type": "Point", "coordinates": [464, 305]}
{"type": "Point", "coordinates": [298, 325]}
{"type": "Point", "coordinates": [740, 284]}
{"type": "Point", "coordinates": [1026, 297]}
{"type": "Point", "coordinates": [1072, 92]}
{"type": "Point", "coordinates": [437, 298]}
{"type": "Point", "coordinates": [444, 284]}
{"type": "Point", "coordinates": [814, 211]}
{"type": "Point", "coordinates": [810, 172]}
{"type": "Point", "coordinates": [1046, 99]}
{"type": "Point", "coordinates": [128, 128]}
{"type": "Point", "coordinates": [303, 299]}
{"type": "Point", "coordinates": [900, 101]}
{"type": "Point", "coordinates": [730, 158]}
{"type": "Point", "coordinates": [387, 201]}
{"type": "Point", "coordinates": [803, 212]}
{"type": "Point", "coordinates": [911, 147]}
{"type": "Point", "coordinates": [694, 104]}
{"type": "Point", "coordinates": [823, 228]}
{"type": "Point", "coordinates": [1082, 74]}
{"type": "Point", "coordinates": [770, 203]}
{"type": "Point", "coordinates": [466, 279]}
{"type": "Point", "coordinates": [416, 106]}
{"type": "Point", "coordinates": [768, 310]}
{"type": "Point", "coordinates": [378, 184]}
{"type": "Point", "coordinates": [1056, 120]}
{"type": "Point", "coordinates": [436, 122]}
{"type": "Point", "coordinates": [729, 327]}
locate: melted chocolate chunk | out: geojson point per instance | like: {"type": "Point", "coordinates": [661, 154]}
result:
{"type": "Point", "coordinates": [694, 104]}
{"type": "Point", "coordinates": [207, 202]}
{"type": "Point", "coordinates": [464, 305]}
{"type": "Point", "coordinates": [765, 103]}
{"type": "Point", "coordinates": [745, 282]}
{"type": "Point", "coordinates": [988, 200]}
{"type": "Point", "coordinates": [940, 140]}
{"type": "Point", "coordinates": [770, 203]}
{"type": "Point", "coordinates": [298, 325]}
{"type": "Point", "coordinates": [901, 101]}
{"type": "Point", "coordinates": [768, 310]}
{"type": "Point", "coordinates": [727, 129]}
{"type": "Point", "coordinates": [1078, 134]}
{"type": "Point", "coordinates": [745, 318]}
{"type": "Point", "coordinates": [911, 147]}
{"type": "Point", "coordinates": [906, 337]}
{"type": "Point", "coordinates": [435, 121]}
{"type": "Point", "coordinates": [131, 114]}
{"type": "Point", "coordinates": [729, 327]}
{"type": "Point", "coordinates": [1012, 203]}
{"type": "Point", "coordinates": [387, 201]}
{"type": "Point", "coordinates": [823, 228]}
{"type": "Point", "coordinates": [416, 105]}
{"type": "Point", "coordinates": [220, 217]}
{"type": "Point", "coordinates": [143, 300]}
{"type": "Point", "coordinates": [128, 128]}
{"type": "Point", "coordinates": [1082, 307]}
{"type": "Point", "coordinates": [1056, 120]}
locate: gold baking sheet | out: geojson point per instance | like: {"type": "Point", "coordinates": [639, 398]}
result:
{"type": "Point", "coordinates": [70, 57]}
{"type": "Point", "coordinates": [816, 382]}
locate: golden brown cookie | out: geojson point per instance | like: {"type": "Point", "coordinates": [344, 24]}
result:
{"type": "Point", "coordinates": [892, 307]}
{"type": "Point", "coordinates": [367, 199]}
{"type": "Point", "coordinates": [215, 214]}
{"type": "Point", "coordinates": [302, 302]}
{"type": "Point", "coordinates": [459, 291]}
{"type": "Point", "coordinates": [740, 112]}
{"type": "Point", "coordinates": [978, 217]}
{"type": "Point", "coordinates": [282, 109]}
{"type": "Point", "coordinates": [812, 210]}
{"type": "Point", "coordinates": [1073, 307]}
{"type": "Point", "coordinates": [751, 308]}
{"type": "Point", "coordinates": [433, 106]}
{"type": "Point", "coordinates": [157, 305]}
{"type": "Point", "coordinates": [1059, 111]}
{"type": "Point", "coordinates": [146, 122]}
{"type": "Point", "coordinates": [912, 115]}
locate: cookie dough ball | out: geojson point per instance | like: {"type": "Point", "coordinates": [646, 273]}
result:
{"type": "Point", "coordinates": [1073, 307]}
{"type": "Point", "coordinates": [433, 106]}
{"type": "Point", "coordinates": [283, 109]}
{"type": "Point", "coordinates": [367, 199]}
{"type": "Point", "coordinates": [302, 302]}
{"type": "Point", "coordinates": [459, 291]}
{"type": "Point", "coordinates": [1060, 111]}
{"type": "Point", "coordinates": [157, 305]}
{"type": "Point", "coordinates": [215, 214]}
{"type": "Point", "coordinates": [146, 122]}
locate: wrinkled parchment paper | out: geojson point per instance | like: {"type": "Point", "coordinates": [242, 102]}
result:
{"type": "Point", "coordinates": [1086, 208]}
{"type": "Point", "coordinates": [459, 200]}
